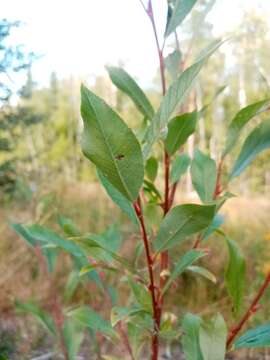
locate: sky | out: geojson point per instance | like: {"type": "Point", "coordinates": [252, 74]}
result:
{"type": "Point", "coordinates": [79, 37]}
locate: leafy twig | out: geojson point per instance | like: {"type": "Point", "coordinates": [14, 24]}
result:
{"type": "Point", "coordinates": [251, 311]}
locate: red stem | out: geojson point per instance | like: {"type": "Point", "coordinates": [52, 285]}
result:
{"type": "Point", "coordinates": [197, 241]}
{"type": "Point", "coordinates": [159, 49]}
{"type": "Point", "coordinates": [164, 260]}
{"type": "Point", "coordinates": [151, 287]}
{"type": "Point", "coordinates": [218, 188]}
{"type": "Point", "coordinates": [172, 193]}
{"type": "Point", "coordinates": [157, 305]}
{"type": "Point", "coordinates": [251, 310]}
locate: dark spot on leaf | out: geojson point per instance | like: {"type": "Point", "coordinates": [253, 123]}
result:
{"type": "Point", "coordinates": [119, 157]}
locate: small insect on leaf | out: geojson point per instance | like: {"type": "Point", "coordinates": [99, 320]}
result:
{"type": "Point", "coordinates": [120, 157]}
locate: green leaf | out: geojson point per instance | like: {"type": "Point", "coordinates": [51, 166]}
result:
{"type": "Point", "coordinates": [235, 274]}
{"type": "Point", "coordinates": [151, 168]}
{"type": "Point", "coordinates": [173, 62]}
{"type": "Point", "coordinates": [181, 9]}
{"type": "Point", "coordinates": [257, 141]}
{"type": "Point", "coordinates": [73, 337]}
{"type": "Point", "coordinates": [49, 253]}
{"type": "Point", "coordinates": [203, 272]}
{"type": "Point", "coordinates": [48, 237]}
{"type": "Point", "coordinates": [179, 130]}
{"type": "Point", "coordinates": [122, 313]}
{"type": "Point", "coordinates": [111, 145]}
{"type": "Point", "coordinates": [93, 246]}
{"type": "Point", "coordinates": [181, 222]}
{"type": "Point", "coordinates": [22, 231]}
{"type": "Point", "coordinates": [151, 190]}
{"type": "Point", "coordinates": [241, 119]}
{"type": "Point", "coordinates": [111, 239]}
{"type": "Point", "coordinates": [204, 176]}
{"type": "Point", "coordinates": [254, 338]}
{"type": "Point", "coordinates": [213, 335]}
{"type": "Point", "coordinates": [123, 81]}
{"type": "Point", "coordinates": [79, 263]}
{"type": "Point", "coordinates": [174, 97]}
{"type": "Point", "coordinates": [183, 263]}
{"type": "Point", "coordinates": [190, 339]}
{"type": "Point", "coordinates": [87, 317]}
{"type": "Point", "coordinates": [179, 167]}
{"type": "Point", "coordinates": [120, 200]}
{"type": "Point", "coordinates": [71, 285]}
{"type": "Point", "coordinates": [215, 224]}
{"type": "Point", "coordinates": [42, 316]}
{"type": "Point", "coordinates": [68, 226]}
{"type": "Point", "coordinates": [141, 295]}
{"type": "Point", "coordinates": [153, 215]}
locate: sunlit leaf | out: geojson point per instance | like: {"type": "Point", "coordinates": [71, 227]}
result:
{"type": "Point", "coordinates": [179, 130]}
{"type": "Point", "coordinates": [181, 9]}
{"type": "Point", "coordinates": [257, 141]}
{"type": "Point", "coordinates": [203, 272]}
{"type": "Point", "coordinates": [175, 96]}
{"type": "Point", "coordinates": [111, 145]}
{"type": "Point", "coordinates": [241, 119]}
{"type": "Point", "coordinates": [128, 85]}
{"type": "Point", "coordinates": [213, 335]}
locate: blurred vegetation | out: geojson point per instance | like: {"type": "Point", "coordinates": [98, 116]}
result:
{"type": "Point", "coordinates": [43, 173]}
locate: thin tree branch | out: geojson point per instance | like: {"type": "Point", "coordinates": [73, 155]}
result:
{"type": "Point", "coordinates": [151, 287]}
{"type": "Point", "coordinates": [251, 311]}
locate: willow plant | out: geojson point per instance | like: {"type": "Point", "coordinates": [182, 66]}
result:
{"type": "Point", "coordinates": [127, 166]}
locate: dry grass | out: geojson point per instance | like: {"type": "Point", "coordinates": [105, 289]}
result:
{"type": "Point", "coordinates": [247, 222]}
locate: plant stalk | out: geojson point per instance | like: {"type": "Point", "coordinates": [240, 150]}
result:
{"type": "Point", "coordinates": [251, 310]}
{"type": "Point", "coordinates": [151, 287]}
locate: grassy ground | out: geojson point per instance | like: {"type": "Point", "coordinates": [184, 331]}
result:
{"type": "Point", "coordinates": [247, 222]}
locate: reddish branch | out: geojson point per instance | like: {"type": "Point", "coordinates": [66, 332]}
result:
{"type": "Point", "coordinates": [218, 188]}
{"type": "Point", "coordinates": [151, 287]}
{"type": "Point", "coordinates": [197, 241]}
{"type": "Point", "coordinates": [251, 310]}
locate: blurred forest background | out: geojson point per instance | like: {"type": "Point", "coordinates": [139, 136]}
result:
{"type": "Point", "coordinates": [43, 173]}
